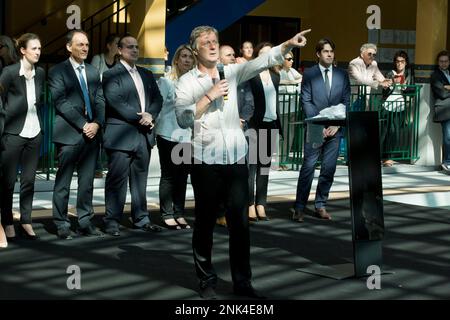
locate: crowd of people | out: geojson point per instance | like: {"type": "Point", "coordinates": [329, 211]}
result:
{"type": "Point", "coordinates": [213, 116]}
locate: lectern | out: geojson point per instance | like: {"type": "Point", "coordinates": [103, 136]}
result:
{"type": "Point", "coordinates": [366, 195]}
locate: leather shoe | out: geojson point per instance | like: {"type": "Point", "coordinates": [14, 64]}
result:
{"type": "Point", "coordinates": [64, 234]}
{"type": "Point", "coordinates": [298, 215]}
{"type": "Point", "coordinates": [89, 231]}
{"type": "Point", "coordinates": [148, 227]}
{"type": "Point", "coordinates": [25, 234]}
{"type": "Point", "coordinates": [247, 290]}
{"type": "Point", "coordinates": [322, 214]}
{"type": "Point", "coordinates": [208, 293]}
{"type": "Point", "coordinates": [113, 232]}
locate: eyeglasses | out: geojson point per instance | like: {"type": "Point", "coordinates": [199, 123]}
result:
{"type": "Point", "coordinates": [289, 59]}
{"type": "Point", "coordinates": [208, 43]}
{"type": "Point", "coordinates": [371, 54]}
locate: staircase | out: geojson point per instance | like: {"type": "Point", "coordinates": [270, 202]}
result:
{"type": "Point", "coordinates": [180, 25]}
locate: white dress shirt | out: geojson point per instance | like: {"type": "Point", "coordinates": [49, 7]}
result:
{"type": "Point", "coordinates": [166, 124]}
{"type": "Point", "coordinates": [218, 137]}
{"type": "Point", "coordinates": [330, 73]}
{"type": "Point", "coordinates": [75, 66]}
{"type": "Point", "coordinates": [361, 74]}
{"type": "Point", "coordinates": [270, 97]}
{"type": "Point", "coordinates": [446, 74]}
{"type": "Point", "coordinates": [31, 127]}
{"type": "Point", "coordinates": [137, 82]}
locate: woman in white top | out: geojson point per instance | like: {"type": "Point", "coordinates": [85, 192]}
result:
{"type": "Point", "coordinates": [21, 87]}
{"type": "Point", "coordinates": [246, 51]}
{"type": "Point", "coordinates": [172, 185]}
{"type": "Point", "coordinates": [266, 122]}
{"type": "Point", "coordinates": [108, 58]}
{"type": "Point", "coordinates": [290, 82]}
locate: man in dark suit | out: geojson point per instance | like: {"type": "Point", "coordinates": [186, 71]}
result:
{"type": "Point", "coordinates": [133, 102]}
{"type": "Point", "coordinates": [440, 85]}
{"type": "Point", "coordinates": [80, 111]}
{"type": "Point", "coordinates": [323, 86]}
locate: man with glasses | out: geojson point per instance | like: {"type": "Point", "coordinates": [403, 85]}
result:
{"type": "Point", "coordinates": [440, 85]}
{"type": "Point", "coordinates": [363, 70]}
{"type": "Point", "coordinates": [219, 173]}
{"type": "Point", "coordinates": [133, 102]}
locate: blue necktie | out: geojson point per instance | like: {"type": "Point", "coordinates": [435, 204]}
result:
{"type": "Point", "coordinates": [327, 83]}
{"type": "Point", "coordinates": [87, 102]}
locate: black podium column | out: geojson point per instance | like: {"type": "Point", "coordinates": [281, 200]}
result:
{"type": "Point", "coordinates": [366, 194]}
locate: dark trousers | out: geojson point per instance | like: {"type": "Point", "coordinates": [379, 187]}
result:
{"type": "Point", "coordinates": [83, 159]}
{"type": "Point", "coordinates": [172, 185]}
{"type": "Point", "coordinates": [446, 142]}
{"type": "Point", "coordinates": [330, 152]}
{"type": "Point", "coordinates": [124, 166]}
{"type": "Point", "coordinates": [213, 184]}
{"type": "Point", "coordinates": [24, 152]}
{"type": "Point", "coordinates": [266, 134]}
{"type": "Point", "coordinates": [391, 135]}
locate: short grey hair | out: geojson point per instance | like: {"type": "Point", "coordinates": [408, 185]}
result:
{"type": "Point", "coordinates": [198, 31]}
{"type": "Point", "coordinates": [367, 46]}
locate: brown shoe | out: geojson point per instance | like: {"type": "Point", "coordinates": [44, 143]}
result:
{"type": "Point", "coordinates": [322, 214]}
{"type": "Point", "coordinates": [298, 215]}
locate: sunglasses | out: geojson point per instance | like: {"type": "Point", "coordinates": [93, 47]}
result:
{"type": "Point", "coordinates": [370, 54]}
{"type": "Point", "coordinates": [289, 59]}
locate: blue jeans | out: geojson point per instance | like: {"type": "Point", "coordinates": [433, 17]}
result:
{"type": "Point", "coordinates": [330, 152]}
{"type": "Point", "coordinates": [446, 142]}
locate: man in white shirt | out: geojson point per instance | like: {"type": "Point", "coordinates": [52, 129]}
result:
{"type": "Point", "coordinates": [219, 172]}
{"type": "Point", "coordinates": [80, 111]}
{"type": "Point", "coordinates": [363, 70]}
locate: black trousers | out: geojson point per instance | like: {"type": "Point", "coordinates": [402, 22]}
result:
{"type": "Point", "coordinates": [124, 165]}
{"type": "Point", "coordinates": [259, 163]}
{"type": "Point", "coordinates": [24, 152]}
{"type": "Point", "coordinates": [172, 185]}
{"type": "Point", "coordinates": [213, 184]}
{"type": "Point", "coordinates": [83, 159]}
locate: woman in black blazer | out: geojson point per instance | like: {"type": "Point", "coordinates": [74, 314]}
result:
{"type": "Point", "coordinates": [266, 122]}
{"type": "Point", "coordinates": [21, 86]}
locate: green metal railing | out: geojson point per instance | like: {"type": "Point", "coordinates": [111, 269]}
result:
{"type": "Point", "coordinates": [398, 116]}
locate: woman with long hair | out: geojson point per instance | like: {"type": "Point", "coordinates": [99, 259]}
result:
{"type": "Point", "coordinates": [21, 86]}
{"type": "Point", "coordinates": [108, 58]}
{"type": "Point", "coordinates": [172, 185]}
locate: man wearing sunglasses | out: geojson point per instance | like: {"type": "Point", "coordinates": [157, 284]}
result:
{"type": "Point", "coordinates": [363, 70]}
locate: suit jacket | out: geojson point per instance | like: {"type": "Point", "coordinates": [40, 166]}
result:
{"type": "Point", "coordinates": [70, 113]}
{"type": "Point", "coordinates": [122, 128]}
{"type": "Point", "coordinates": [441, 96]}
{"type": "Point", "coordinates": [313, 95]}
{"type": "Point", "coordinates": [260, 100]}
{"type": "Point", "coordinates": [13, 90]}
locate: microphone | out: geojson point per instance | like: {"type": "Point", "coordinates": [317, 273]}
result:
{"type": "Point", "coordinates": [222, 76]}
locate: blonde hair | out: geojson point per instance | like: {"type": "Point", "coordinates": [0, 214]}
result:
{"type": "Point", "coordinates": [175, 72]}
{"type": "Point", "coordinates": [197, 32]}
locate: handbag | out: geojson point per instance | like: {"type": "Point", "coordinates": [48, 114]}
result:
{"type": "Point", "coordinates": [395, 102]}
{"type": "Point", "coordinates": [441, 110]}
